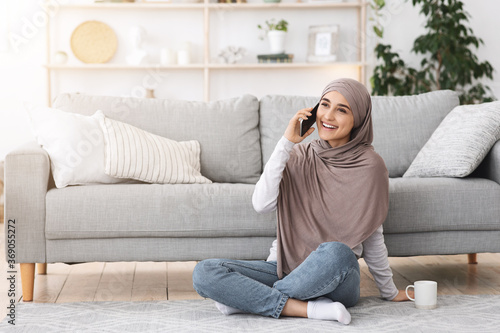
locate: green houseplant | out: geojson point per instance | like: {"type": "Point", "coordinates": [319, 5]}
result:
{"type": "Point", "coordinates": [448, 60]}
{"type": "Point", "coordinates": [276, 32]}
{"type": "Point", "coordinates": [271, 25]}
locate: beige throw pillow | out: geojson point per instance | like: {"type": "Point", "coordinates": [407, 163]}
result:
{"type": "Point", "coordinates": [137, 154]}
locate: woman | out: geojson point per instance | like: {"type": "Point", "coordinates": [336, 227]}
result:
{"type": "Point", "coordinates": [332, 196]}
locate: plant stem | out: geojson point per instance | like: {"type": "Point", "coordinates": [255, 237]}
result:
{"type": "Point", "coordinates": [438, 70]}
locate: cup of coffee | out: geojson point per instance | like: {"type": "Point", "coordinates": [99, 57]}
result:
{"type": "Point", "coordinates": [425, 294]}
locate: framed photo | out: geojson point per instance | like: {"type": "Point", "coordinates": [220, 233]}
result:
{"type": "Point", "coordinates": [323, 43]}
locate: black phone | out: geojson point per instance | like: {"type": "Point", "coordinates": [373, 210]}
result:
{"type": "Point", "coordinates": [306, 124]}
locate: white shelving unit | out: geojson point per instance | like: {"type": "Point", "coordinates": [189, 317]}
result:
{"type": "Point", "coordinates": [207, 7]}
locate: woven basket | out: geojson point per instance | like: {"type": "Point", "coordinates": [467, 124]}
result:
{"type": "Point", "coordinates": [94, 42]}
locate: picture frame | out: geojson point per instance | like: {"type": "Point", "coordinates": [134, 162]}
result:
{"type": "Point", "coordinates": [323, 43]}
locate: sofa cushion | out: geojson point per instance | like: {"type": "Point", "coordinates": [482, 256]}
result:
{"type": "Point", "coordinates": [401, 124]}
{"type": "Point", "coordinates": [155, 210]}
{"type": "Point", "coordinates": [442, 204]}
{"type": "Point", "coordinates": [225, 210]}
{"type": "Point", "coordinates": [227, 129]}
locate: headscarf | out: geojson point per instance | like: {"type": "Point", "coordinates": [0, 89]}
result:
{"type": "Point", "coordinates": [332, 194]}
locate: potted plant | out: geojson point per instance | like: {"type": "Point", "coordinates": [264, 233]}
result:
{"type": "Point", "coordinates": [447, 51]}
{"type": "Point", "coordinates": [276, 33]}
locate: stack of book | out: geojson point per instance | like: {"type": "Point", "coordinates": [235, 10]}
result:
{"type": "Point", "coordinates": [275, 58]}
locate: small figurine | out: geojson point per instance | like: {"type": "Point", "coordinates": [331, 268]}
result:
{"type": "Point", "coordinates": [139, 55]}
{"type": "Point", "coordinates": [231, 54]}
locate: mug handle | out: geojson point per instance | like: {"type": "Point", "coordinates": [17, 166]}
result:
{"type": "Point", "coordinates": [406, 291]}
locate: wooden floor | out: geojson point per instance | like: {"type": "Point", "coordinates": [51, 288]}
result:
{"type": "Point", "coordinates": [140, 281]}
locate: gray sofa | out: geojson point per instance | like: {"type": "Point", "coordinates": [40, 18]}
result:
{"type": "Point", "coordinates": [152, 222]}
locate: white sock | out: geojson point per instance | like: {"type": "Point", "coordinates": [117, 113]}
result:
{"type": "Point", "coordinates": [227, 310]}
{"type": "Point", "coordinates": [325, 309]}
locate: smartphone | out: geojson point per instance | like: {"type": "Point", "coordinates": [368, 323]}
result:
{"type": "Point", "coordinates": [306, 124]}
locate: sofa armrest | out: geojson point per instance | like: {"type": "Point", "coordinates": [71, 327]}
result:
{"type": "Point", "coordinates": [27, 171]}
{"type": "Point", "coordinates": [490, 167]}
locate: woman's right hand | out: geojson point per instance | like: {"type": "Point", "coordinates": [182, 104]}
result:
{"type": "Point", "coordinates": [292, 132]}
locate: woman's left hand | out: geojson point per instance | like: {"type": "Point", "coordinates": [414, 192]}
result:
{"type": "Point", "coordinates": [401, 296]}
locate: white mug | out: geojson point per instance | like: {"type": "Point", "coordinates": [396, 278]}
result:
{"type": "Point", "coordinates": [425, 294]}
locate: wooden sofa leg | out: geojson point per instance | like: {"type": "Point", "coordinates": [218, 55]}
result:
{"type": "Point", "coordinates": [472, 257]}
{"type": "Point", "coordinates": [41, 268]}
{"type": "Point", "coordinates": [28, 281]}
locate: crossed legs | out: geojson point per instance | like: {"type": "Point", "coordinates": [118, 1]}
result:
{"type": "Point", "coordinates": [331, 272]}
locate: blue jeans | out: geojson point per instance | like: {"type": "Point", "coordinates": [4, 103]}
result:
{"type": "Point", "coordinates": [332, 270]}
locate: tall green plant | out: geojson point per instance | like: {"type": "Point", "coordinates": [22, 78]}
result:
{"type": "Point", "coordinates": [448, 60]}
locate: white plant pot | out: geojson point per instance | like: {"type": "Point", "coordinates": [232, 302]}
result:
{"type": "Point", "coordinates": [277, 41]}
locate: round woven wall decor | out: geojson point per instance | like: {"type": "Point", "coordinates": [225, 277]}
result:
{"type": "Point", "coordinates": [94, 42]}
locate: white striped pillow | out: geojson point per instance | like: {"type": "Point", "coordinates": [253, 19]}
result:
{"type": "Point", "coordinates": [134, 153]}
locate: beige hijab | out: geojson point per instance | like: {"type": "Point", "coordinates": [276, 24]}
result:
{"type": "Point", "coordinates": [332, 194]}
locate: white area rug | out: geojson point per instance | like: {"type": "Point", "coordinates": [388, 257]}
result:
{"type": "Point", "coordinates": [454, 314]}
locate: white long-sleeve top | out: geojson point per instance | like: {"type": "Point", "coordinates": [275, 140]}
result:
{"type": "Point", "coordinates": [373, 249]}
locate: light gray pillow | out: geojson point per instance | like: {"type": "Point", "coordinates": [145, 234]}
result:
{"type": "Point", "coordinates": [403, 124]}
{"type": "Point", "coordinates": [460, 142]}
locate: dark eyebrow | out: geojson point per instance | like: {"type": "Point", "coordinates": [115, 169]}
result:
{"type": "Point", "coordinates": [344, 106]}
{"type": "Point", "coordinates": [340, 104]}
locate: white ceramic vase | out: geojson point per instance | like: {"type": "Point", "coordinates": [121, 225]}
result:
{"type": "Point", "coordinates": [184, 54]}
{"type": "Point", "coordinates": [277, 41]}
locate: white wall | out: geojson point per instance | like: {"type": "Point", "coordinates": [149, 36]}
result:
{"type": "Point", "coordinates": [23, 79]}
{"type": "Point", "coordinates": [21, 76]}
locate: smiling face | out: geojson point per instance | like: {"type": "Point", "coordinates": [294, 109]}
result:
{"type": "Point", "coordinates": [334, 119]}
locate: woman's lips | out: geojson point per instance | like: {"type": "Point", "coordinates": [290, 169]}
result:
{"type": "Point", "coordinates": [329, 126]}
